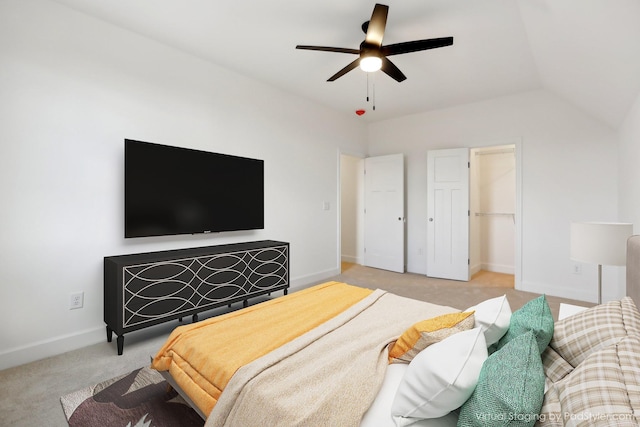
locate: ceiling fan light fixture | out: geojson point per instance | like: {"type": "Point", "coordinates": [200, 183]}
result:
{"type": "Point", "coordinates": [370, 64]}
{"type": "Point", "coordinates": [372, 54]}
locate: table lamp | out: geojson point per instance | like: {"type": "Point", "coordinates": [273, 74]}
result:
{"type": "Point", "coordinates": [602, 243]}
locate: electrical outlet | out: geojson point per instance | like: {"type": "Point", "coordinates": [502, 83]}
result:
{"type": "Point", "coordinates": [76, 300]}
{"type": "Point", "coordinates": [577, 268]}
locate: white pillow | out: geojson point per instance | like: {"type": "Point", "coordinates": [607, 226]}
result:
{"type": "Point", "coordinates": [379, 413]}
{"type": "Point", "coordinates": [440, 378]}
{"type": "Point", "coordinates": [493, 316]}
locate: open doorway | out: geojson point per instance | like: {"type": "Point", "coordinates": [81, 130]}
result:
{"type": "Point", "coordinates": [351, 211]}
{"type": "Point", "coordinates": [492, 227]}
{"type": "Point", "coordinates": [489, 250]}
{"type": "Point", "coordinates": [372, 212]}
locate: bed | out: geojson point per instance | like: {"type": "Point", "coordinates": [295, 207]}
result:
{"type": "Point", "coordinates": [360, 357]}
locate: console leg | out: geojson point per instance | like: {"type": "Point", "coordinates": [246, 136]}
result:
{"type": "Point", "coordinates": [245, 303]}
{"type": "Point", "coordinates": [194, 318]}
{"type": "Point", "coordinates": [120, 341]}
{"type": "Point", "coordinates": [109, 334]}
{"type": "Point", "coordinates": [286, 291]}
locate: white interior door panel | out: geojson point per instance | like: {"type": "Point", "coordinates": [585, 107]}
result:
{"type": "Point", "coordinates": [384, 212]}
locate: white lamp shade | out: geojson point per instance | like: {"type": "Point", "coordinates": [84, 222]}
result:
{"type": "Point", "coordinates": [603, 243]}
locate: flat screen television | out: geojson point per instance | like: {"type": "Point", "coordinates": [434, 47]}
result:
{"type": "Point", "coordinates": [172, 190]}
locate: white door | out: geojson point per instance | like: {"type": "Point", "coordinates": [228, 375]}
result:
{"type": "Point", "coordinates": [384, 212]}
{"type": "Point", "coordinates": [448, 214]}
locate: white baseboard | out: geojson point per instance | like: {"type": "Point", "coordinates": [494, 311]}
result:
{"type": "Point", "coordinates": [352, 259]}
{"type": "Point", "coordinates": [51, 347]}
{"type": "Point", "coordinates": [474, 269]}
{"type": "Point", "coordinates": [302, 282]}
{"type": "Point", "coordinates": [62, 344]}
{"type": "Point", "coordinates": [559, 291]}
{"type": "Point", "coordinates": [499, 268]}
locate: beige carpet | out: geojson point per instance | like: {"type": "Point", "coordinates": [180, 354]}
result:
{"type": "Point", "coordinates": [460, 295]}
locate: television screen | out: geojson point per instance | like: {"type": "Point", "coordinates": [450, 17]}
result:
{"type": "Point", "coordinates": [172, 190]}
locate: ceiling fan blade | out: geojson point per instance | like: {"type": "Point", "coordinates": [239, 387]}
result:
{"type": "Point", "coordinates": [345, 70]}
{"type": "Point", "coordinates": [392, 71]}
{"type": "Point", "coordinates": [375, 30]}
{"type": "Point", "coordinates": [329, 49]}
{"type": "Point", "coordinates": [415, 46]}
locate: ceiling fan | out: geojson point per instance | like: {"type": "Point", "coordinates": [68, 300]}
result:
{"type": "Point", "coordinates": [372, 54]}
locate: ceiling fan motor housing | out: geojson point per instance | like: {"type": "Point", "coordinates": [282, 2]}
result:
{"type": "Point", "coordinates": [370, 57]}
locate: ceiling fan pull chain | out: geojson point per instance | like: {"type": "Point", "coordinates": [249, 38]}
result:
{"type": "Point", "coordinates": [367, 87]}
{"type": "Point", "coordinates": [374, 93]}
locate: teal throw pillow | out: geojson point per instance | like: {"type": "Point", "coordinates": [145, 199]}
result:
{"type": "Point", "coordinates": [510, 387]}
{"type": "Point", "coordinates": [534, 316]}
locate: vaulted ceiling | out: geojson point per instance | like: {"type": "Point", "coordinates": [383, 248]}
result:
{"type": "Point", "coordinates": [585, 51]}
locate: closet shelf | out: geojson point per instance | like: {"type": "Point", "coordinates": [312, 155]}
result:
{"type": "Point", "coordinates": [494, 213]}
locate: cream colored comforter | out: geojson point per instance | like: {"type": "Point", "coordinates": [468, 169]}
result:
{"type": "Point", "coordinates": [202, 357]}
{"type": "Point", "coordinates": [327, 377]}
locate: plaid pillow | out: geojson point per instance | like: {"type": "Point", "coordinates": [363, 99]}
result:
{"type": "Point", "coordinates": [551, 411]}
{"type": "Point", "coordinates": [576, 337]}
{"type": "Point", "coordinates": [555, 367]}
{"type": "Point", "coordinates": [603, 391]}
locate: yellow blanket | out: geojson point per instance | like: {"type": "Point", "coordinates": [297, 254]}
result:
{"type": "Point", "coordinates": [203, 357]}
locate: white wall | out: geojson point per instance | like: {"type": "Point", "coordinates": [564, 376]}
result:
{"type": "Point", "coordinates": [569, 172]}
{"type": "Point", "coordinates": [72, 89]}
{"type": "Point", "coordinates": [629, 171]}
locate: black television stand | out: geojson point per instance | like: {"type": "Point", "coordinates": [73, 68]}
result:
{"type": "Point", "coordinates": [146, 289]}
